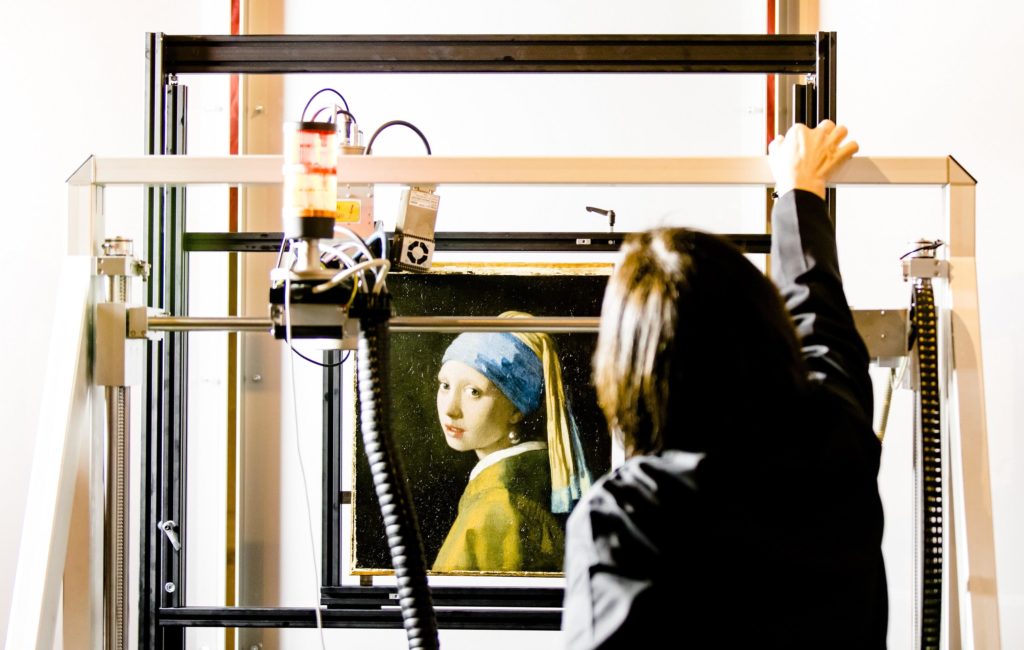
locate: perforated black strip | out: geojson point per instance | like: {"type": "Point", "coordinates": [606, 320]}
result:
{"type": "Point", "coordinates": [930, 468]}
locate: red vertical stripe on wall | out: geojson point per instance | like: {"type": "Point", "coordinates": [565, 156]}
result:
{"type": "Point", "coordinates": [233, 126]}
{"type": "Point", "coordinates": [769, 112]}
{"type": "Point", "coordinates": [233, 110]}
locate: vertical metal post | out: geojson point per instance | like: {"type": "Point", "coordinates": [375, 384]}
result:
{"type": "Point", "coordinates": [150, 478]}
{"type": "Point", "coordinates": [825, 91]}
{"type": "Point", "coordinates": [162, 575]}
{"type": "Point", "coordinates": [825, 77]}
{"type": "Point", "coordinates": [330, 548]}
{"type": "Point", "coordinates": [173, 409]}
{"type": "Point", "coordinates": [800, 94]}
{"type": "Point", "coordinates": [115, 538]}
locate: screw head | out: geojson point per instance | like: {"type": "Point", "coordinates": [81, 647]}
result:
{"type": "Point", "coordinates": [169, 587]}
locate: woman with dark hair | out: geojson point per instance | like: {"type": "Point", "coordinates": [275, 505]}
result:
{"type": "Point", "coordinates": [747, 513]}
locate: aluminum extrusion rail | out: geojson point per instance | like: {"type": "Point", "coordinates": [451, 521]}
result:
{"type": "Point", "coordinates": [396, 324]}
{"type": "Point", "coordinates": [749, 53]}
{"type": "Point", "coordinates": [575, 242]}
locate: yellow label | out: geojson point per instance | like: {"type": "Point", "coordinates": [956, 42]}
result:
{"type": "Point", "coordinates": [348, 210]}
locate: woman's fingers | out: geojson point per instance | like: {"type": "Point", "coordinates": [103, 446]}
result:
{"type": "Point", "coordinates": [846, 151]}
{"type": "Point", "coordinates": [806, 157]}
{"type": "Point", "coordinates": [834, 135]}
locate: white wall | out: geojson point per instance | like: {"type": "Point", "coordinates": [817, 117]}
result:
{"type": "Point", "coordinates": [73, 86]}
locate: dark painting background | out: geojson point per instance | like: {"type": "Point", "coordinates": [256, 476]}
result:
{"type": "Point", "coordinates": [436, 473]}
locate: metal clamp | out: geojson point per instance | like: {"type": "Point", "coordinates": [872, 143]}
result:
{"type": "Point", "coordinates": [921, 263]}
{"type": "Point", "coordinates": [138, 323]}
{"type": "Point", "coordinates": [117, 260]}
{"type": "Point", "coordinates": [925, 267]}
{"type": "Point", "coordinates": [169, 528]}
{"type": "Point", "coordinates": [118, 361]}
{"type": "Point", "coordinates": [126, 266]}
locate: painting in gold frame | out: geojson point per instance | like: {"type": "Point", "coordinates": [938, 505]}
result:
{"type": "Point", "coordinates": [492, 521]}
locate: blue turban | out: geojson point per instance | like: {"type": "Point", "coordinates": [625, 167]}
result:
{"type": "Point", "coordinates": [506, 361]}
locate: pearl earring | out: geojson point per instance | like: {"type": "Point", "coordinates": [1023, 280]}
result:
{"type": "Point", "coordinates": [513, 438]}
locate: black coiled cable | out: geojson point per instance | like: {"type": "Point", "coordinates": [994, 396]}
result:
{"type": "Point", "coordinates": [395, 499]}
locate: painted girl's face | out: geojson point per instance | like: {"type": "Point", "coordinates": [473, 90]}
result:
{"type": "Point", "coordinates": [475, 415]}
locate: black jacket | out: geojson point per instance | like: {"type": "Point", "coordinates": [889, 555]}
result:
{"type": "Point", "coordinates": [775, 548]}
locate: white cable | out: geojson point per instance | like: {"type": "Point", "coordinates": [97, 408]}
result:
{"type": "Point", "coordinates": [346, 261]}
{"type": "Point", "coordinates": [352, 236]}
{"type": "Point", "coordinates": [362, 245]}
{"type": "Point", "coordinates": [337, 250]}
{"type": "Point", "coordinates": [345, 273]}
{"type": "Point", "coordinates": [377, 234]}
{"type": "Point", "coordinates": [298, 452]}
{"type": "Point", "coordinates": [379, 286]}
{"type": "Point", "coordinates": [903, 371]}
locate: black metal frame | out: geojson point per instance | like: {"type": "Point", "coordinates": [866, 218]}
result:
{"type": "Point", "coordinates": [164, 475]}
{"type": "Point", "coordinates": [793, 54]}
{"type": "Point", "coordinates": [163, 615]}
{"type": "Point", "coordinates": [525, 242]}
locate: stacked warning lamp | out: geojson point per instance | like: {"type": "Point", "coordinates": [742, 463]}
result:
{"type": "Point", "coordinates": [333, 251]}
{"type": "Point", "coordinates": [413, 243]}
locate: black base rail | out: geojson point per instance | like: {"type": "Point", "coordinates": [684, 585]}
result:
{"type": "Point", "coordinates": [297, 617]}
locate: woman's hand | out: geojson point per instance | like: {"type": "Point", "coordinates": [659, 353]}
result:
{"type": "Point", "coordinates": [804, 158]}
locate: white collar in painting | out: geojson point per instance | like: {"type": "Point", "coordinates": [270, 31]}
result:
{"type": "Point", "coordinates": [502, 454]}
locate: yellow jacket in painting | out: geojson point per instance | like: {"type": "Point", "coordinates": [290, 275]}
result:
{"type": "Point", "coordinates": [505, 522]}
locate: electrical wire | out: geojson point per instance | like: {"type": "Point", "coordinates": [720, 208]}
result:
{"type": "Point", "coordinates": [410, 125]}
{"type": "Point", "coordinates": [378, 234]}
{"type": "Point", "coordinates": [280, 253]}
{"type": "Point", "coordinates": [342, 275]}
{"type": "Point", "coordinates": [339, 253]}
{"type": "Point", "coordinates": [333, 364]}
{"type": "Point", "coordinates": [302, 467]}
{"type": "Point", "coordinates": [341, 249]}
{"type": "Point", "coordinates": [380, 268]}
{"type": "Point", "coordinates": [317, 94]}
{"type": "Point", "coordinates": [337, 112]}
{"type": "Point", "coordinates": [350, 263]}
{"type": "Point", "coordinates": [354, 238]}
{"type": "Point", "coordinates": [928, 247]}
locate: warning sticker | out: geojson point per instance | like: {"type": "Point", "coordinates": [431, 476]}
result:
{"type": "Point", "coordinates": [348, 210]}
